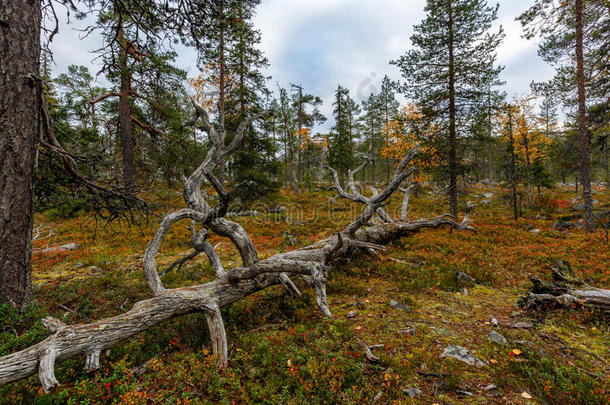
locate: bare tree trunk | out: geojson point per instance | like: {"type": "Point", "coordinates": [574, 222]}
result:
{"type": "Point", "coordinates": [490, 141]}
{"type": "Point", "coordinates": [585, 163]}
{"type": "Point", "coordinates": [300, 136]}
{"type": "Point", "coordinates": [372, 154]}
{"type": "Point", "coordinates": [453, 197]}
{"type": "Point", "coordinates": [221, 86]}
{"type": "Point", "coordinates": [20, 95]}
{"type": "Point", "coordinates": [125, 124]}
{"type": "Point", "coordinates": [607, 166]}
{"type": "Point", "coordinates": [512, 163]}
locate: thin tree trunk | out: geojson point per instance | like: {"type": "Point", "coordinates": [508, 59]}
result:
{"type": "Point", "coordinates": [221, 88]}
{"type": "Point", "coordinates": [373, 163]}
{"type": "Point", "coordinates": [490, 141]}
{"type": "Point", "coordinates": [20, 95]}
{"type": "Point", "coordinates": [453, 197]}
{"type": "Point", "coordinates": [585, 163]}
{"type": "Point", "coordinates": [125, 124]}
{"type": "Point", "coordinates": [512, 164]}
{"type": "Point", "coordinates": [300, 137]}
{"type": "Point", "coordinates": [607, 167]}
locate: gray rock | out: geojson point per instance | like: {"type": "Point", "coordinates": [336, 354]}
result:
{"type": "Point", "coordinates": [465, 292]}
{"type": "Point", "coordinates": [398, 305]}
{"type": "Point", "coordinates": [464, 278]}
{"type": "Point", "coordinates": [461, 354]}
{"type": "Point", "coordinates": [562, 225]}
{"type": "Point", "coordinates": [412, 392]}
{"type": "Point", "coordinates": [523, 325]}
{"type": "Point", "coordinates": [493, 321]}
{"type": "Point", "coordinates": [488, 195]}
{"type": "Point", "coordinates": [352, 314]}
{"type": "Point", "coordinates": [495, 337]}
{"type": "Point", "coordinates": [486, 202]}
{"type": "Point", "coordinates": [410, 332]}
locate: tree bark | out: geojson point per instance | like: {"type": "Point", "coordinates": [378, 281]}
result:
{"type": "Point", "coordinates": [490, 140]}
{"type": "Point", "coordinates": [125, 124]}
{"type": "Point", "coordinates": [512, 163]}
{"type": "Point", "coordinates": [372, 154]}
{"type": "Point", "coordinates": [20, 95]}
{"type": "Point", "coordinates": [300, 136]}
{"type": "Point", "coordinates": [585, 163]}
{"type": "Point", "coordinates": [221, 85]}
{"type": "Point", "coordinates": [453, 197]}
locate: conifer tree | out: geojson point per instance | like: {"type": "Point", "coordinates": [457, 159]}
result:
{"type": "Point", "coordinates": [341, 142]}
{"type": "Point", "coordinates": [575, 40]}
{"type": "Point", "coordinates": [450, 69]}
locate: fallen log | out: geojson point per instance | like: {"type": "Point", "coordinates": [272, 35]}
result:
{"type": "Point", "coordinates": [567, 290]}
{"type": "Point", "coordinates": [312, 263]}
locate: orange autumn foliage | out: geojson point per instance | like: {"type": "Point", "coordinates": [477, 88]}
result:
{"type": "Point", "coordinates": [530, 142]}
{"type": "Point", "coordinates": [408, 130]}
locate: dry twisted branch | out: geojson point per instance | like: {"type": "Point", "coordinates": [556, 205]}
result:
{"type": "Point", "coordinates": [311, 262]}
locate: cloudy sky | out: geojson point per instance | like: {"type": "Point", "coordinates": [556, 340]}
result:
{"type": "Point", "coordinates": [321, 43]}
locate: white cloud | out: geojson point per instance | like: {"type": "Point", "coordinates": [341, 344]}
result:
{"type": "Point", "coordinates": [321, 43]}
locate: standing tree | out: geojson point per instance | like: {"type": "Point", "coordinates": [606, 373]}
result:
{"type": "Point", "coordinates": [389, 111]}
{"type": "Point", "coordinates": [20, 103]}
{"type": "Point", "coordinates": [509, 120]}
{"type": "Point", "coordinates": [451, 68]}
{"type": "Point", "coordinates": [305, 119]}
{"type": "Point", "coordinates": [575, 39]}
{"type": "Point", "coordinates": [341, 142]}
{"type": "Point", "coordinates": [372, 123]}
{"type": "Point", "coordinates": [22, 107]}
{"type": "Point", "coordinates": [287, 127]}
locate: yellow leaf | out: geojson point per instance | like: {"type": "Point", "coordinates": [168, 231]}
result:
{"type": "Point", "coordinates": [517, 352]}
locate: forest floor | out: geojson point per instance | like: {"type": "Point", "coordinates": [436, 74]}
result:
{"type": "Point", "coordinates": [284, 351]}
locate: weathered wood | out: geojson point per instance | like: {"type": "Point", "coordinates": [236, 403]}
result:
{"type": "Point", "coordinates": [311, 262]}
{"type": "Point", "coordinates": [567, 290]}
{"type": "Point", "coordinates": [20, 89]}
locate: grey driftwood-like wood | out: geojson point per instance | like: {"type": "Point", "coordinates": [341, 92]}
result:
{"type": "Point", "coordinates": [312, 263]}
{"type": "Point", "coordinates": [567, 290]}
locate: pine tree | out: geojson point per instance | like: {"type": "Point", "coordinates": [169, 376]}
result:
{"type": "Point", "coordinates": [231, 56]}
{"type": "Point", "coordinates": [305, 119]}
{"type": "Point", "coordinates": [341, 142]}
{"type": "Point", "coordinates": [389, 111]}
{"type": "Point", "coordinates": [451, 68]}
{"type": "Point", "coordinates": [372, 124]}
{"type": "Point", "coordinates": [575, 40]}
{"type": "Point", "coordinates": [287, 124]}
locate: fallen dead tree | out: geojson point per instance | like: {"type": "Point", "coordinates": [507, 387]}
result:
{"type": "Point", "coordinates": [311, 262]}
{"type": "Point", "coordinates": [567, 290]}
